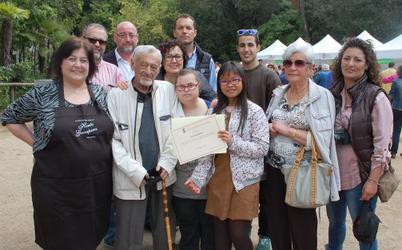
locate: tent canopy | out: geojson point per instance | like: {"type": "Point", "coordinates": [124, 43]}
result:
{"type": "Point", "coordinates": [391, 49]}
{"type": "Point", "coordinates": [272, 52]}
{"type": "Point", "coordinates": [327, 48]}
{"type": "Point", "coordinates": [368, 37]}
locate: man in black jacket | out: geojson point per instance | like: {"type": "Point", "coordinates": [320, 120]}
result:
{"type": "Point", "coordinates": [185, 30]}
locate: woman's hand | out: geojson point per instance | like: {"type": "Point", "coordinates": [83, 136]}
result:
{"type": "Point", "coordinates": [272, 131]}
{"type": "Point", "coordinates": [225, 136]}
{"type": "Point", "coordinates": [281, 128]}
{"type": "Point", "coordinates": [192, 186]}
{"type": "Point", "coordinates": [369, 190]}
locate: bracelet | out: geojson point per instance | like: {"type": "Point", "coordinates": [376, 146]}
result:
{"type": "Point", "coordinates": [372, 180]}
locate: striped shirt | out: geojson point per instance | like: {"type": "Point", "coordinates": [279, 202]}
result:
{"type": "Point", "coordinates": [107, 75]}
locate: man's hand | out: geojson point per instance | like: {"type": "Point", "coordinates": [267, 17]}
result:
{"type": "Point", "coordinates": [162, 172]}
{"type": "Point", "coordinates": [192, 186]}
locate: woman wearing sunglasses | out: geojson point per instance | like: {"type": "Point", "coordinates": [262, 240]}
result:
{"type": "Point", "coordinates": [233, 186]}
{"type": "Point", "coordinates": [297, 112]}
{"type": "Point", "coordinates": [362, 133]}
{"type": "Point", "coordinates": [173, 60]}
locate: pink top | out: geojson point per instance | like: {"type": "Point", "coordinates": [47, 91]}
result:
{"type": "Point", "coordinates": [107, 75]}
{"type": "Point", "coordinates": [382, 131]}
{"type": "Point", "coordinates": [389, 79]}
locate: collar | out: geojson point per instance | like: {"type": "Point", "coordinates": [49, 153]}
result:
{"type": "Point", "coordinates": [313, 88]}
{"type": "Point", "coordinates": [118, 56]}
{"type": "Point", "coordinates": [141, 97]}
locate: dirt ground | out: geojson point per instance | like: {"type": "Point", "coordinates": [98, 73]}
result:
{"type": "Point", "coordinates": [17, 232]}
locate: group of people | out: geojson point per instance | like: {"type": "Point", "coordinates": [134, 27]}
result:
{"type": "Point", "coordinates": [101, 136]}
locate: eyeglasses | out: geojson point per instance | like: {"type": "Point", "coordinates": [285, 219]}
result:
{"type": "Point", "coordinates": [130, 35]}
{"type": "Point", "coordinates": [297, 63]}
{"type": "Point", "coordinates": [246, 32]}
{"type": "Point", "coordinates": [178, 57]}
{"type": "Point", "coordinates": [190, 86]}
{"type": "Point", "coordinates": [233, 81]}
{"type": "Point", "coordinates": [94, 41]}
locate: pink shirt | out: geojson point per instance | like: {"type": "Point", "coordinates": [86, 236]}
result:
{"type": "Point", "coordinates": [107, 75]}
{"type": "Point", "coordinates": [382, 131]}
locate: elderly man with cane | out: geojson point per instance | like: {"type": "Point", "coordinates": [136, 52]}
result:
{"type": "Point", "coordinates": [142, 150]}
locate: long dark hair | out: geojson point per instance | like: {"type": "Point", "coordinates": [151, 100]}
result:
{"type": "Point", "coordinates": [372, 71]}
{"type": "Point", "coordinates": [223, 101]}
{"type": "Point", "coordinates": [65, 50]}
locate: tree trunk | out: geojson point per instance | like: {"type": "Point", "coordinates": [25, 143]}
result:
{"type": "Point", "coordinates": [303, 14]}
{"type": "Point", "coordinates": [7, 39]}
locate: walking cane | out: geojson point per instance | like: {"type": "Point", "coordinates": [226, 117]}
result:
{"type": "Point", "coordinates": [166, 210]}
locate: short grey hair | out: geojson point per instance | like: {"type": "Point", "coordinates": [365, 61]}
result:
{"type": "Point", "coordinates": [299, 47]}
{"type": "Point", "coordinates": [146, 49]}
{"type": "Point", "coordinates": [325, 66]}
{"type": "Point", "coordinates": [93, 25]}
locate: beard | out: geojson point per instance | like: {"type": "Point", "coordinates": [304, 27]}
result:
{"type": "Point", "coordinates": [97, 56]}
{"type": "Point", "coordinates": [146, 82]}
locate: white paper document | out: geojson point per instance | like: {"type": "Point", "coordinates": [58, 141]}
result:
{"type": "Point", "coordinates": [195, 137]}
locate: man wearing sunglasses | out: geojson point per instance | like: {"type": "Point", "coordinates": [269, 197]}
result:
{"type": "Point", "coordinates": [261, 81]}
{"type": "Point", "coordinates": [185, 30]}
{"type": "Point", "coordinates": [126, 39]}
{"type": "Point", "coordinates": [107, 75]}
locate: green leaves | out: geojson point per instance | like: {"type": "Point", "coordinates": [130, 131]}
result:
{"type": "Point", "coordinates": [10, 10]}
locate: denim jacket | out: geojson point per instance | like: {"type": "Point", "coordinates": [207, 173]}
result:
{"type": "Point", "coordinates": [396, 94]}
{"type": "Point", "coordinates": [320, 115]}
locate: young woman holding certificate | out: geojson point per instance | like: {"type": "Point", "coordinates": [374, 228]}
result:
{"type": "Point", "coordinates": [195, 226]}
{"type": "Point", "coordinates": [233, 178]}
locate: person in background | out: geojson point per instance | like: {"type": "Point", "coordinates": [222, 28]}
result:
{"type": "Point", "coordinates": [185, 31]}
{"type": "Point", "coordinates": [196, 227]}
{"type": "Point", "coordinates": [72, 174]}
{"type": "Point", "coordinates": [273, 67]}
{"type": "Point", "coordinates": [233, 188]}
{"type": "Point", "coordinates": [395, 95]}
{"type": "Point", "coordinates": [107, 75]}
{"type": "Point", "coordinates": [173, 60]}
{"type": "Point", "coordinates": [363, 131]}
{"type": "Point", "coordinates": [297, 112]}
{"type": "Point", "coordinates": [386, 73]}
{"type": "Point", "coordinates": [324, 77]}
{"type": "Point", "coordinates": [126, 39]}
{"type": "Point", "coordinates": [260, 84]}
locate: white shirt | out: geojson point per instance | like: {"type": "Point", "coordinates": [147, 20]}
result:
{"type": "Point", "coordinates": [124, 67]}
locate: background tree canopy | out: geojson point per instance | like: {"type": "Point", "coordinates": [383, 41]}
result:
{"type": "Point", "coordinates": [32, 29]}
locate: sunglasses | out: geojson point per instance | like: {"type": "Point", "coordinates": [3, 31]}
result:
{"type": "Point", "coordinates": [94, 40]}
{"type": "Point", "coordinates": [297, 63]}
{"type": "Point", "coordinates": [246, 32]}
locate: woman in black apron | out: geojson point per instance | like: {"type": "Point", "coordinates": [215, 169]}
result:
{"type": "Point", "coordinates": [72, 175]}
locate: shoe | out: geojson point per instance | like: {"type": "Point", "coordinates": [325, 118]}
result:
{"type": "Point", "coordinates": [264, 243]}
{"type": "Point", "coordinates": [392, 156]}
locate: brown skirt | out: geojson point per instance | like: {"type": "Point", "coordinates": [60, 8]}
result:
{"type": "Point", "coordinates": [223, 201]}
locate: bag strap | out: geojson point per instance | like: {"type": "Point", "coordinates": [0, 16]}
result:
{"type": "Point", "coordinates": [315, 152]}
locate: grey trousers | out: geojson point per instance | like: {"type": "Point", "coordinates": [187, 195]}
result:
{"type": "Point", "coordinates": [130, 221]}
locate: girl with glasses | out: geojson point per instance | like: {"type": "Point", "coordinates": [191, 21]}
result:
{"type": "Point", "coordinates": [196, 227]}
{"type": "Point", "coordinates": [232, 178]}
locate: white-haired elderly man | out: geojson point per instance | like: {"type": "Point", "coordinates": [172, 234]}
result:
{"type": "Point", "coordinates": [142, 150]}
{"type": "Point", "coordinates": [324, 77]}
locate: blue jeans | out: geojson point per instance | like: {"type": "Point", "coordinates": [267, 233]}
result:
{"type": "Point", "coordinates": [110, 233]}
{"type": "Point", "coordinates": [396, 133]}
{"type": "Point", "coordinates": [336, 211]}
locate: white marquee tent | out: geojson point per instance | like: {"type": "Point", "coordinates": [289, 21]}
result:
{"type": "Point", "coordinates": [368, 37]}
{"type": "Point", "coordinates": [326, 49]}
{"type": "Point", "coordinates": [391, 49]}
{"type": "Point", "coordinates": [272, 52]}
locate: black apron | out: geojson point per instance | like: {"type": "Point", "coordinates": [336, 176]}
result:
{"type": "Point", "coordinates": [72, 179]}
